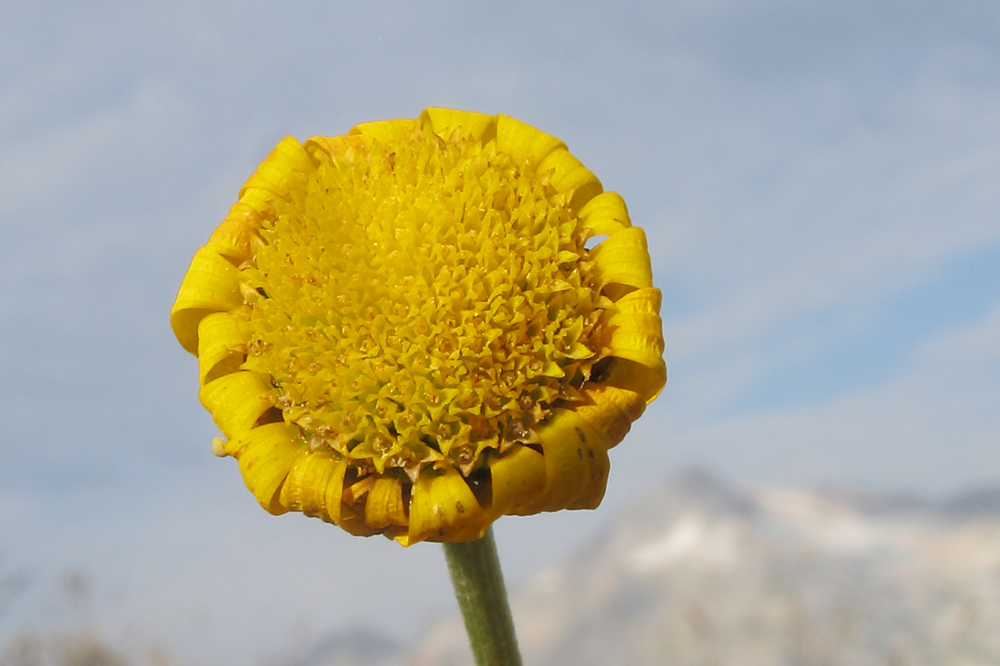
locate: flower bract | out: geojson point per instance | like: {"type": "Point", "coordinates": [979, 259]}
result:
{"type": "Point", "coordinates": [423, 325]}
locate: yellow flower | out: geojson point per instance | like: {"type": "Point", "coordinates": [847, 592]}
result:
{"type": "Point", "coordinates": [405, 331]}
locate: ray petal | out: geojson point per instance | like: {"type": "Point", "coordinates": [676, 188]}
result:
{"type": "Point", "coordinates": [384, 505]}
{"type": "Point", "coordinates": [526, 145]}
{"type": "Point", "coordinates": [567, 174]}
{"type": "Point", "coordinates": [443, 508]}
{"type": "Point", "coordinates": [623, 259]}
{"type": "Point", "coordinates": [386, 132]}
{"type": "Point", "coordinates": [211, 284]}
{"type": "Point", "coordinates": [575, 460]}
{"type": "Point", "coordinates": [445, 121]}
{"type": "Point", "coordinates": [286, 166]}
{"type": "Point", "coordinates": [633, 330]}
{"type": "Point", "coordinates": [266, 456]}
{"type": "Point", "coordinates": [221, 346]}
{"type": "Point", "coordinates": [610, 410]}
{"type": "Point", "coordinates": [307, 488]}
{"type": "Point", "coordinates": [605, 214]}
{"type": "Point", "coordinates": [236, 401]}
{"type": "Point", "coordinates": [322, 148]}
{"type": "Point", "coordinates": [518, 477]}
{"type": "Point", "coordinates": [231, 239]}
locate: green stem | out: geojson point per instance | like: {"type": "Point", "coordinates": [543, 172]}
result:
{"type": "Point", "coordinates": [475, 573]}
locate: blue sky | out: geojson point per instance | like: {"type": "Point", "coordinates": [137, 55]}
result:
{"type": "Point", "coordinates": [820, 184]}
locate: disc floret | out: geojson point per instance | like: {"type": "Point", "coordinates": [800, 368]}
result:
{"type": "Point", "coordinates": [421, 305]}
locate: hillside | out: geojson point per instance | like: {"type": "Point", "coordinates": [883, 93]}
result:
{"type": "Point", "coordinates": [701, 574]}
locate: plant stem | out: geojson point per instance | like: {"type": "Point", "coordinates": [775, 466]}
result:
{"type": "Point", "coordinates": [475, 573]}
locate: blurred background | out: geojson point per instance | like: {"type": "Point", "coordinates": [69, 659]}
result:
{"type": "Point", "coordinates": [819, 182]}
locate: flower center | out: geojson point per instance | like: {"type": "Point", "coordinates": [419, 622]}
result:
{"type": "Point", "coordinates": [422, 303]}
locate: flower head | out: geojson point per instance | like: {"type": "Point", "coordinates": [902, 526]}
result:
{"type": "Point", "coordinates": [408, 330]}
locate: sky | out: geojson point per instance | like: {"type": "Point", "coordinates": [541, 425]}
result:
{"type": "Point", "coordinates": [819, 182]}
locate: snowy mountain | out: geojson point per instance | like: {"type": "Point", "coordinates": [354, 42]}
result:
{"type": "Point", "coordinates": [699, 574]}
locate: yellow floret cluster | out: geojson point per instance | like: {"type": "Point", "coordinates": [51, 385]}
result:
{"type": "Point", "coordinates": [422, 305]}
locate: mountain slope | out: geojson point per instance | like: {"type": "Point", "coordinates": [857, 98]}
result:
{"type": "Point", "coordinates": [701, 574]}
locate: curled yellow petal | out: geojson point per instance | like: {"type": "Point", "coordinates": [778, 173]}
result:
{"type": "Point", "coordinates": [569, 175]}
{"type": "Point", "coordinates": [386, 132]}
{"type": "Point", "coordinates": [597, 482]}
{"type": "Point", "coordinates": [334, 493]}
{"type": "Point", "coordinates": [384, 505]}
{"type": "Point", "coordinates": [518, 478]}
{"type": "Point", "coordinates": [353, 521]}
{"type": "Point", "coordinates": [576, 462]}
{"type": "Point", "coordinates": [636, 343]}
{"type": "Point", "coordinates": [221, 346]}
{"type": "Point", "coordinates": [323, 148]}
{"type": "Point", "coordinates": [646, 380]}
{"type": "Point", "coordinates": [646, 301]}
{"type": "Point", "coordinates": [211, 284]}
{"type": "Point", "coordinates": [266, 455]}
{"type": "Point", "coordinates": [610, 410]}
{"type": "Point", "coordinates": [444, 122]}
{"type": "Point", "coordinates": [286, 167]}
{"type": "Point", "coordinates": [314, 486]}
{"type": "Point", "coordinates": [444, 508]}
{"type": "Point", "coordinates": [260, 200]}
{"type": "Point", "coordinates": [623, 259]}
{"type": "Point", "coordinates": [605, 214]}
{"type": "Point", "coordinates": [231, 239]}
{"type": "Point", "coordinates": [237, 401]}
{"type": "Point", "coordinates": [526, 145]}
{"type": "Point", "coordinates": [633, 330]}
